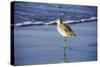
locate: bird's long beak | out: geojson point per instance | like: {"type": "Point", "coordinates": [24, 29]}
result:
{"type": "Point", "coordinates": [55, 22]}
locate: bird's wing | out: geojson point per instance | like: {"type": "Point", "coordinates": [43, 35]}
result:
{"type": "Point", "coordinates": [68, 29]}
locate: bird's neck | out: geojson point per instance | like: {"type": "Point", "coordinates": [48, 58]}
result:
{"type": "Point", "coordinates": [59, 23]}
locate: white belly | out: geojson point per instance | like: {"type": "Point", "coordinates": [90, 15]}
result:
{"type": "Point", "coordinates": [62, 31]}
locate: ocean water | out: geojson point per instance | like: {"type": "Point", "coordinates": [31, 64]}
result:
{"type": "Point", "coordinates": [43, 44]}
{"type": "Point", "coordinates": [46, 12]}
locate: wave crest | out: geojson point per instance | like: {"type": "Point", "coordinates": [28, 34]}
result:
{"type": "Point", "coordinates": [28, 23]}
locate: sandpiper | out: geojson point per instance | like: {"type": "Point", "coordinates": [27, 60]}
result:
{"type": "Point", "coordinates": [66, 31]}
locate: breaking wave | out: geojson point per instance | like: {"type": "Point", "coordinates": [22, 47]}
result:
{"type": "Point", "coordinates": [28, 23]}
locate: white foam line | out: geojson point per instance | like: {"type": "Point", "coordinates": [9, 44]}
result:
{"type": "Point", "coordinates": [27, 22]}
{"type": "Point", "coordinates": [49, 23]}
{"type": "Point", "coordinates": [92, 18]}
{"type": "Point", "coordinates": [54, 21]}
{"type": "Point", "coordinates": [18, 24]}
{"type": "Point", "coordinates": [38, 22]}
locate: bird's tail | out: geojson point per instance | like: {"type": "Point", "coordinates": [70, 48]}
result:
{"type": "Point", "coordinates": [74, 34]}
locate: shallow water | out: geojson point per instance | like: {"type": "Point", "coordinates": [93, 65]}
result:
{"type": "Point", "coordinates": [43, 44]}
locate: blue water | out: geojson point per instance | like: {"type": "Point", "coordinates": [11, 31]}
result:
{"type": "Point", "coordinates": [28, 11]}
{"type": "Point", "coordinates": [42, 44]}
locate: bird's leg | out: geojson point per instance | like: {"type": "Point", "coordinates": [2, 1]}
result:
{"type": "Point", "coordinates": [65, 59]}
{"type": "Point", "coordinates": [65, 39]}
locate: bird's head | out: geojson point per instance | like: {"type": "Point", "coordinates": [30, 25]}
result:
{"type": "Point", "coordinates": [58, 20]}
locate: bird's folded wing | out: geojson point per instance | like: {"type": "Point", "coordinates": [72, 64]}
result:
{"type": "Point", "coordinates": [68, 29]}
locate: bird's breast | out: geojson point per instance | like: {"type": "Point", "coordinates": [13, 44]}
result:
{"type": "Point", "coordinates": [61, 30]}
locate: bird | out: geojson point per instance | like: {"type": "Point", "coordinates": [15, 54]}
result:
{"type": "Point", "coordinates": [66, 31]}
